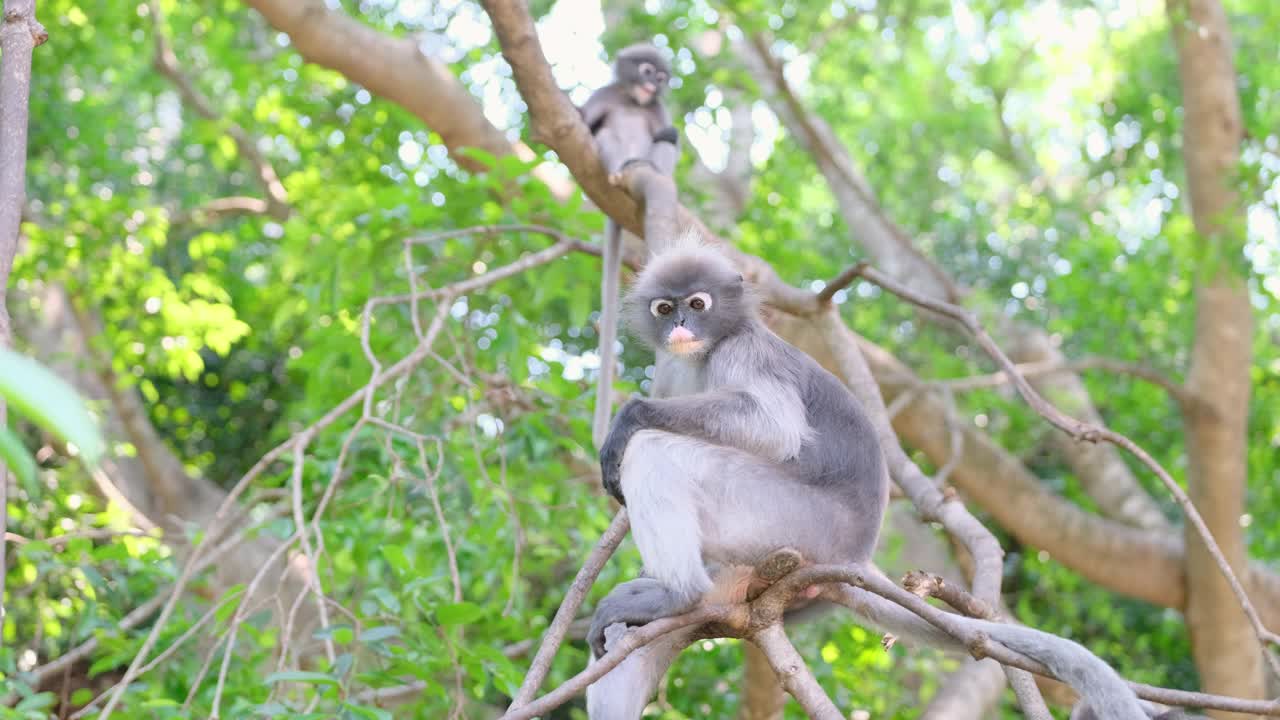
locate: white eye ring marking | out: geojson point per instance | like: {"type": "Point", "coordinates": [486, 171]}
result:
{"type": "Point", "coordinates": [700, 297]}
{"type": "Point", "coordinates": [661, 306]}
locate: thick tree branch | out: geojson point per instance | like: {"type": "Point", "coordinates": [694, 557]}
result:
{"type": "Point", "coordinates": [794, 674]}
{"type": "Point", "coordinates": [1221, 356]}
{"type": "Point", "coordinates": [421, 84]}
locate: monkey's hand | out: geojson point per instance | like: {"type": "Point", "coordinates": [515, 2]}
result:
{"type": "Point", "coordinates": [627, 423]}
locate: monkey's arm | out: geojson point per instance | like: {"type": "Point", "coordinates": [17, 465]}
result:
{"type": "Point", "coordinates": [597, 106]}
{"type": "Point", "coordinates": [768, 422]}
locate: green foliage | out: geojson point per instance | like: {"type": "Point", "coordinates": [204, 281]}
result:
{"type": "Point", "coordinates": [43, 398]}
{"type": "Point", "coordinates": [1032, 149]}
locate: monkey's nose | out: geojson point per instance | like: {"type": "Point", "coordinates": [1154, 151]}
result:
{"type": "Point", "coordinates": [680, 334]}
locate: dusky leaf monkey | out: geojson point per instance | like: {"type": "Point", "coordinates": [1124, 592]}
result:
{"type": "Point", "coordinates": [747, 446]}
{"type": "Point", "coordinates": [630, 124]}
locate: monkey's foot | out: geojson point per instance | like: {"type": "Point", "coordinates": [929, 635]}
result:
{"type": "Point", "coordinates": [618, 178]}
{"type": "Point", "coordinates": [773, 568]}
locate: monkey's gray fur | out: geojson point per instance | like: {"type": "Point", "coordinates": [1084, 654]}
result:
{"type": "Point", "coordinates": [630, 124]}
{"type": "Point", "coordinates": [748, 446]}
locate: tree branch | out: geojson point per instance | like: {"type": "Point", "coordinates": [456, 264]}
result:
{"type": "Point", "coordinates": [20, 33]}
{"type": "Point", "coordinates": [422, 85]}
{"type": "Point", "coordinates": [166, 62]}
{"type": "Point", "coordinates": [632, 640]}
{"type": "Point", "coordinates": [1084, 431]}
{"type": "Point", "coordinates": [578, 590]}
{"type": "Point", "coordinates": [1103, 474]}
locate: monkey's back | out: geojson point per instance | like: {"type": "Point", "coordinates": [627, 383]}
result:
{"type": "Point", "coordinates": [841, 453]}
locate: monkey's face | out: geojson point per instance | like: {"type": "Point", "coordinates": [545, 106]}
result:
{"type": "Point", "coordinates": [687, 305]}
{"type": "Point", "coordinates": [646, 78]}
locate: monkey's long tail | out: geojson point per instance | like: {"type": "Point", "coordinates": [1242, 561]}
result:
{"type": "Point", "coordinates": [610, 279]}
{"type": "Point", "coordinates": [1108, 695]}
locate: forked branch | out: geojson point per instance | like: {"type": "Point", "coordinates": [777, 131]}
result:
{"type": "Point", "coordinates": [1079, 430]}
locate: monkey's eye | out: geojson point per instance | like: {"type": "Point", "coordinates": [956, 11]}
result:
{"type": "Point", "coordinates": [699, 301]}
{"type": "Point", "coordinates": [646, 69]}
{"type": "Point", "coordinates": [661, 77]}
{"type": "Point", "coordinates": [661, 307]}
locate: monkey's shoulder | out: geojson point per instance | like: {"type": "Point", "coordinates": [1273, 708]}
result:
{"type": "Point", "coordinates": [826, 399]}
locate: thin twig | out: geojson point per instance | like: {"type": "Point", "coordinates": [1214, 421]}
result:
{"type": "Point", "coordinates": [1088, 432]}
{"type": "Point", "coordinates": [308, 554]}
{"type": "Point", "coordinates": [1112, 365]}
{"type": "Point", "coordinates": [430, 475]}
{"type": "Point", "coordinates": [578, 590]}
{"type": "Point", "coordinates": [632, 640]}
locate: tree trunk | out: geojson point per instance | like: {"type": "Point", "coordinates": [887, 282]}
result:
{"type": "Point", "coordinates": [762, 697]}
{"type": "Point", "coordinates": [1226, 651]}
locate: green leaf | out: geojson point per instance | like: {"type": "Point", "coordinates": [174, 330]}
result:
{"type": "Point", "coordinates": [458, 613]}
{"type": "Point", "coordinates": [372, 713]}
{"type": "Point", "coordinates": [339, 634]}
{"type": "Point", "coordinates": [378, 634]}
{"type": "Point", "coordinates": [396, 556]}
{"type": "Point", "coordinates": [301, 676]}
{"type": "Point", "coordinates": [228, 607]}
{"type": "Point", "coordinates": [37, 394]}
{"type": "Point", "coordinates": [39, 701]}
{"type": "Point", "coordinates": [14, 454]}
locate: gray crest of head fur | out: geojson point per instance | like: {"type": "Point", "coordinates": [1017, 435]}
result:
{"type": "Point", "coordinates": [633, 55]}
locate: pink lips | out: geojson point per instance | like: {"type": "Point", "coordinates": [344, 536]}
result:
{"type": "Point", "coordinates": [680, 335]}
{"type": "Point", "coordinates": [683, 342]}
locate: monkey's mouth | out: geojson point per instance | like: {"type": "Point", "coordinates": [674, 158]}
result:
{"type": "Point", "coordinates": [643, 94]}
{"type": "Point", "coordinates": [683, 342]}
{"type": "Point", "coordinates": [684, 347]}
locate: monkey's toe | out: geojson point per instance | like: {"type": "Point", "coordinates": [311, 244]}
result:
{"type": "Point", "coordinates": [775, 566]}
{"type": "Point", "coordinates": [778, 564]}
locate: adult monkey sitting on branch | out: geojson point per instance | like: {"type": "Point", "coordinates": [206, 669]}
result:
{"type": "Point", "coordinates": [630, 124]}
{"type": "Point", "coordinates": [749, 446]}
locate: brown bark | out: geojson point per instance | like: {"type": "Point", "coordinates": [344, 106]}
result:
{"type": "Point", "coordinates": [762, 697]}
{"type": "Point", "coordinates": [20, 33]}
{"type": "Point", "coordinates": [394, 68]}
{"type": "Point", "coordinates": [1226, 651]}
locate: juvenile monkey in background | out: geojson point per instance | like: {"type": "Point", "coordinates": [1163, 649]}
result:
{"type": "Point", "coordinates": [746, 447]}
{"type": "Point", "coordinates": [630, 124]}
